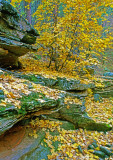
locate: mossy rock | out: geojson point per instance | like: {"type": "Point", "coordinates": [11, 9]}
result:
{"type": "Point", "coordinates": [99, 154]}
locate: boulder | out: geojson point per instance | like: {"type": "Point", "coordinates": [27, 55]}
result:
{"type": "Point", "coordinates": [16, 35]}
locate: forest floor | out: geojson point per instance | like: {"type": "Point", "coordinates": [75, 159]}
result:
{"type": "Point", "coordinates": [70, 139]}
{"type": "Point", "coordinates": [73, 143]}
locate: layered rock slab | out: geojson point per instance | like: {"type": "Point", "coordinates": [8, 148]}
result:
{"type": "Point", "coordinates": [70, 85]}
{"type": "Point", "coordinates": [16, 35]}
{"type": "Point", "coordinates": [22, 99]}
{"type": "Point", "coordinates": [106, 87]}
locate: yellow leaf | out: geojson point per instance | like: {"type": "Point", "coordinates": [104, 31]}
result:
{"type": "Point", "coordinates": [35, 135]}
{"type": "Point", "coordinates": [68, 106]}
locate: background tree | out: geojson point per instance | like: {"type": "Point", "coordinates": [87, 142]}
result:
{"type": "Point", "coordinates": [71, 32]}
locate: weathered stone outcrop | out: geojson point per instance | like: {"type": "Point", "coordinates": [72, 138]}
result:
{"type": "Point", "coordinates": [16, 35]}
{"type": "Point", "coordinates": [25, 98]}
{"type": "Point", "coordinates": [71, 86]}
{"type": "Point", "coordinates": [106, 90]}
{"type": "Point", "coordinates": [31, 106]}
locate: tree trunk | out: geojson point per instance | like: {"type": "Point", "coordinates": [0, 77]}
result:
{"type": "Point", "coordinates": [28, 11]}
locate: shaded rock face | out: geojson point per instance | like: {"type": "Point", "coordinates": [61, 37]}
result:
{"type": "Point", "coordinates": [16, 35]}
{"type": "Point", "coordinates": [16, 144]}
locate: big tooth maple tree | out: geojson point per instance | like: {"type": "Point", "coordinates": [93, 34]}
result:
{"type": "Point", "coordinates": [71, 32]}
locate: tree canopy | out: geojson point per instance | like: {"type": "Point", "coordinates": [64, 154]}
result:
{"type": "Point", "coordinates": [72, 33]}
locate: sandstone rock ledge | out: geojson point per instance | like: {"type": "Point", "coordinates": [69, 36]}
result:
{"type": "Point", "coordinates": [16, 35]}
